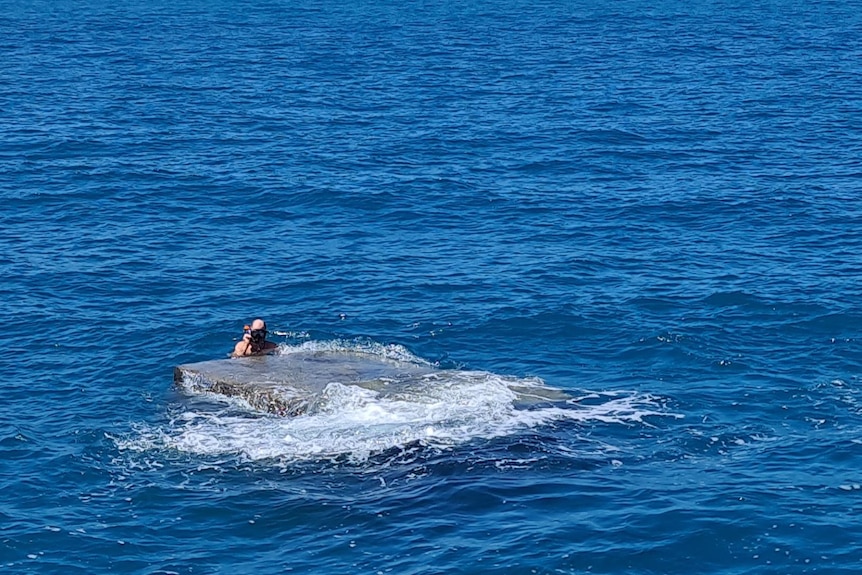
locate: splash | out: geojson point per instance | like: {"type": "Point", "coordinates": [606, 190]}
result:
{"type": "Point", "coordinates": [436, 408]}
{"type": "Point", "coordinates": [392, 352]}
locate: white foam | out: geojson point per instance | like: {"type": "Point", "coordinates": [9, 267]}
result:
{"type": "Point", "coordinates": [449, 408]}
{"type": "Point", "coordinates": [393, 352]}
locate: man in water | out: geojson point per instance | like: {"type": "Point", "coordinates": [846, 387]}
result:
{"type": "Point", "coordinates": [253, 341]}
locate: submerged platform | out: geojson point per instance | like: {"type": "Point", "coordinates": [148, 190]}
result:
{"type": "Point", "coordinates": [289, 384]}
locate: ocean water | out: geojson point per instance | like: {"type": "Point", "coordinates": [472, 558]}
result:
{"type": "Point", "coordinates": [647, 215]}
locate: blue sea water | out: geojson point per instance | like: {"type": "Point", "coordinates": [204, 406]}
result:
{"type": "Point", "coordinates": [650, 207]}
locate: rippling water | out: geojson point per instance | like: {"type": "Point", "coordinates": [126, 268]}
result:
{"type": "Point", "coordinates": [652, 208]}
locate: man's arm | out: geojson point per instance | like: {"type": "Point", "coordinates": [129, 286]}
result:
{"type": "Point", "coordinates": [242, 348]}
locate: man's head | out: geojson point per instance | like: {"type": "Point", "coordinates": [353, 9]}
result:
{"type": "Point", "coordinates": [258, 331]}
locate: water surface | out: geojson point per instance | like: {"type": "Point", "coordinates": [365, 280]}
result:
{"type": "Point", "coordinates": [653, 208]}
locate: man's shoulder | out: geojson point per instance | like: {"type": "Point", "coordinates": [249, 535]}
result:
{"type": "Point", "coordinates": [240, 350]}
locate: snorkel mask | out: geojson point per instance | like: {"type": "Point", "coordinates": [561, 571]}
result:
{"type": "Point", "coordinates": [256, 337]}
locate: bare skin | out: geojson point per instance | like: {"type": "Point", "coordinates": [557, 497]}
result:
{"type": "Point", "coordinates": [249, 346]}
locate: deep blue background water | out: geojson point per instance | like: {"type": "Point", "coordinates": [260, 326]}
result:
{"type": "Point", "coordinates": [652, 206]}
